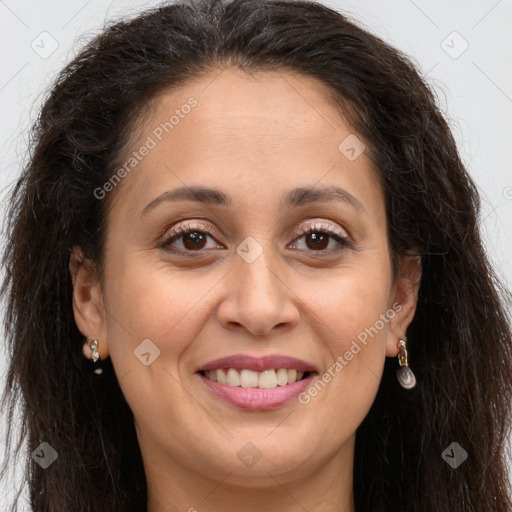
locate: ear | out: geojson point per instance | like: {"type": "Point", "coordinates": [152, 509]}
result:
{"type": "Point", "coordinates": [404, 298]}
{"type": "Point", "coordinates": [88, 307]}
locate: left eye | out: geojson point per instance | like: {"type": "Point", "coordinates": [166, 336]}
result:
{"type": "Point", "coordinates": [318, 239]}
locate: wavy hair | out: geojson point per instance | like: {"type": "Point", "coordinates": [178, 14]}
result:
{"type": "Point", "coordinates": [459, 340]}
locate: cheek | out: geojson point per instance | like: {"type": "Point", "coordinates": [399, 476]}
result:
{"type": "Point", "coordinates": [352, 319]}
{"type": "Point", "coordinates": [352, 300]}
{"type": "Point", "coordinates": [158, 303]}
{"type": "Point", "coordinates": [156, 315]}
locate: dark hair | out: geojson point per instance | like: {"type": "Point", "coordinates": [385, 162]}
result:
{"type": "Point", "coordinates": [459, 340]}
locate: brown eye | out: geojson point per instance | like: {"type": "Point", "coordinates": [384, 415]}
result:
{"type": "Point", "coordinates": [317, 241]}
{"type": "Point", "coordinates": [194, 240]}
{"type": "Point", "coordinates": [189, 239]}
{"type": "Point", "coordinates": [318, 237]}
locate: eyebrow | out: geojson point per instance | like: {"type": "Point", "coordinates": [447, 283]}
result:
{"type": "Point", "coordinates": [299, 196]}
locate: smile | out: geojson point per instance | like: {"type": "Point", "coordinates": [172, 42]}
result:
{"type": "Point", "coordinates": [246, 378]}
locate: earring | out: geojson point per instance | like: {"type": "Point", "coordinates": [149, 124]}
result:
{"type": "Point", "coordinates": [95, 355]}
{"type": "Point", "coordinates": [404, 373]}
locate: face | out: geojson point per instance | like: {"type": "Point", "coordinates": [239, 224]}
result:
{"type": "Point", "coordinates": [283, 264]}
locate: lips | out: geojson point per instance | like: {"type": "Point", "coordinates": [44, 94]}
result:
{"type": "Point", "coordinates": [258, 364]}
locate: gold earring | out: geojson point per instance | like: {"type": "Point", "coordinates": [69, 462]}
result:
{"type": "Point", "coordinates": [404, 374]}
{"type": "Point", "coordinates": [93, 345]}
{"type": "Point", "coordinates": [95, 356]}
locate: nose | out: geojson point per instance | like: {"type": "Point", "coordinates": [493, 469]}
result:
{"type": "Point", "coordinates": [258, 299]}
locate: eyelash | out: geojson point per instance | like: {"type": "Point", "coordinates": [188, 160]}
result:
{"type": "Point", "coordinates": [186, 229]}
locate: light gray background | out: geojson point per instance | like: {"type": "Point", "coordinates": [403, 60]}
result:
{"type": "Point", "coordinates": [474, 86]}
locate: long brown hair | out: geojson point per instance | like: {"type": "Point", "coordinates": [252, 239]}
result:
{"type": "Point", "coordinates": [460, 338]}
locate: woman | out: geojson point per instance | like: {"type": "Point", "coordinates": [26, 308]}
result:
{"type": "Point", "coordinates": [240, 223]}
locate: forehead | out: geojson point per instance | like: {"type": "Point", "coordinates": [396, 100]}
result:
{"type": "Point", "coordinates": [237, 106]}
{"type": "Point", "coordinates": [253, 134]}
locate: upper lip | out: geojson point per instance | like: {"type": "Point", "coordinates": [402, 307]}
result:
{"type": "Point", "coordinates": [258, 363]}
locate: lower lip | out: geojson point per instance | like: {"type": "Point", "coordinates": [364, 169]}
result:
{"type": "Point", "coordinates": [256, 398]}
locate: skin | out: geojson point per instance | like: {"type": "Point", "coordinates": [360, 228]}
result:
{"type": "Point", "coordinates": [255, 137]}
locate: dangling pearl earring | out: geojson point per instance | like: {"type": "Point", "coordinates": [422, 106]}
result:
{"type": "Point", "coordinates": [404, 373]}
{"type": "Point", "coordinates": [95, 355]}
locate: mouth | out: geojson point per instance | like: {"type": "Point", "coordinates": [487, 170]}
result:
{"type": "Point", "coordinates": [256, 383]}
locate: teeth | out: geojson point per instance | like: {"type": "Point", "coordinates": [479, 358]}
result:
{"type": "Point", "coordinates": [221, 376]}
{"type": "Point", "coordinates": [292, 375]}
{"type": "Point", "coordinates": [267, 379]}
{"type": "Point", "coordinates": [233, 378]}
{"type": "Point", "coordinates": [282, 376]}
{"type": "Point", "coordinates": [248, 379]}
